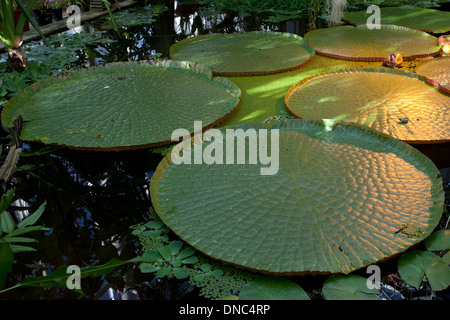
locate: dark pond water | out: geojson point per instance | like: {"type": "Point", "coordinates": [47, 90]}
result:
{"type": "Point", "coordinates": [93, 198]}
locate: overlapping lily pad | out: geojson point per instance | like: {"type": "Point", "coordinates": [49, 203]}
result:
{"type": "Point", "coordinates": [259, 52]}
{"type": "Point", "coordinates": [437, 71]}
{"type": "Point", "coordinates": [365, 44]}
{"type": "Point", "coordinates": [407, 16]}
{"type": "Point", "coordinates": [340, 200]}
{"type": "Point", "coordinates": [398, 103]}
{"type": "Point", "coordinates": [122, 106]}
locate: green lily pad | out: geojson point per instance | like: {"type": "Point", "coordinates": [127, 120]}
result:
{"type": "Point", "coordinates": [122, 106]}
{"type": "Point", "coordinates": [337, 201]}
{"type": "Point", "coordinates": [348, 287]}
{"type": "Point", "coordinates": [398, 103]}
{"type": "Point", "coordinates": [407, 16]}
{"type": "Point", "coordinates": [413, 266]}
{"type": "Point", "coordinates": [259, 52]}
{"type": "Point", "coordinates": [364, 44]}
{"type": "Point", "coordinates": [439, 240]}
{"type": "Point", "coordinates": [437, 71]}
{"type": "Point", "coordinates": [270, 288]}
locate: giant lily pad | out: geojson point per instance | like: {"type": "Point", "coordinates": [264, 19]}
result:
{"type": "Point", "coordinates": [362, 43]}
{"type": "Point", "coordinates": [259, 52]}
{"type": "Point", "coordinates": [407, 16]}
{"type": "Point", "coordinates": [437, 71]}
{"type": "Point", "coordinates": [340, 199]}
{"type": "Point", "coordinates": [401, 104]}
{"type": "Point", "coordinates": [122, 106]}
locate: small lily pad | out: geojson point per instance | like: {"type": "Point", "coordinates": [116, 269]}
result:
{"type": "Point", "coordinates": [413, 266]}
{"type": "Point", "coordinates": [439, 240]}
{"type": "Point", "coordinates": [348, 287]}
{"type": "Point", "coordinates": [271, 288]}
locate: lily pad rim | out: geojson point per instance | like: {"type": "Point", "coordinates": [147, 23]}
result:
{"type": "Point", "coordinates": [435, 83]}
{"type": "Point", "coordinates": [406, 6]}
{"type": "Point", "coordinates": [424, 79]}
{"type": "Point", "coordinates": [235, 92]}
{"type": "Point", "coordinates": [166, 162]}
{"type": "Point", "coordinates": [375, 59]}
{"type": "Point", "coordinates": [302, 41]}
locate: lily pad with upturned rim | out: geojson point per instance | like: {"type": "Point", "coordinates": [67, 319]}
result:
{"type": "Point", "coordinates": [251, 53]}
{"type": "Point", "coordinates": [336, 204]}
{"type": "Point", "coordinates": [412, 17]}
{"type": "Point", "coordinates": [437, 72]}
{"type": "Point", "coordinates": [399, 103]}
{"type": "Point", "coordinates": [364, 44]}
{"type": "Point", "coordinates": [122, 106]}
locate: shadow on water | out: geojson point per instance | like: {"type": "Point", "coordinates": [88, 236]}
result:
{"type": "Point", "coordinates": [94, 198]}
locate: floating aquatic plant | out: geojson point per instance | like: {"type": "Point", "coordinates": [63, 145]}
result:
{"type": "Point", "coordinates": [323, 211]}
{"type": "Point", "coordinates": [378, 98]}
{"type": "Point", "coordinates": [124, 105]}
{"type": "Point", "coordinates": [363, 43]}
{"type": "Point", "coordinates": [250, 53]}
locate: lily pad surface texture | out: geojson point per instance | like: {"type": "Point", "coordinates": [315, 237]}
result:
{"type": "Point", "coordinates": [122, 106]}
{"type": "Point", "coordinates": [339, 201]}
{"type": "Point", "coordinates": [398, 103]}
{"type": "Point", "coordinates": [437, 71]}
{"type": "Point", "coordinates": [364, 44]}
{"type": "Point", "coordinates": [258, 52]}
{"type": "Point", "coordinates": [418, 18]}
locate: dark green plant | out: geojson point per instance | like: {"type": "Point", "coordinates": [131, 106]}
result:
{"type": "Point", "coordinates": [12, 233]}
{"type": "Point", "coordinates": [169, 260]}
{"type": "Point", "coordinates": [206, 272]}
{"type": "Point", "coordinates": [60, 277]}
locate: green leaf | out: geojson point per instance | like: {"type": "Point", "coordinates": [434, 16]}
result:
{"type": "Point", "coordinates": [348, 287]}
{"type": "Point", "coordinates": [278, 213]}
{"type": "Point", "coordinates": [199, 277]}
{"type": "Point", "coordinates": [177, 263]}
{"type": "Point", "coordinates": [180, 273]}
{"type": "Point", "coordinates": [190, 260]}
{"type": "Point", "coordinates": [148, 267]}
{"type": "Point", "coordinates": [205, 267]}
{"type": "Point", "coordinates": [32, 218]}
{"type": "Point", "coordinates": [7, 224]}
{"type": "Point", "coordinates": [249, 53]}
{"type": "Point", "coordinates": [438, 275]}
{"type": "Point", "coordinates": [210, 100]}
{"type": "Point", "coordinates": [152, 255]}
{"type": "Point", "coordinates": [439, 240]}
{"type": "Point", "coordinates": [18, 248]}
{"type": "Point", "coordinates": [59, 277]}
{"type": "Point", "coordinates": [270, 288]}
{"type": "Point", "coordinates": [24, 230]}
{"type": "Point", "coordinates": [175, 247]}
{"type": "Point", "coordinates": [6, 262]}
{"type": "Point", "coordinates": [413, 17]}
{"type": "Point", "coordinates": [165, 253]}
{"type": "Point", "coordinates": [96, 271]}
{"type": "Point", "coordinates": [164, 272]}
{"type": "Point", "coordinates": [6, 199]}
{"type": "Point", "coordinates": [216, 273]}
{"type": "Point", "coordinates": [18, 239]}
{"type": "Point", "coordinates": [413, 266]}
{"type": "Point", "coordinates": [187, 252]}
